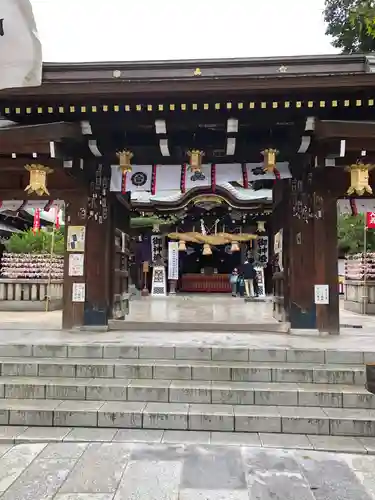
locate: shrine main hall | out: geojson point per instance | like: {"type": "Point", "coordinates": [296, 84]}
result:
{"type": "Point", "coordinates": [277, 140]}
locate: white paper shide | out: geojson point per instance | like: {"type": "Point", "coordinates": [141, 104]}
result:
{"type": "Point", "coordinates": [20, 47]}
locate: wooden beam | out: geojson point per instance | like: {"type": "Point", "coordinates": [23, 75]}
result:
{"type": "Point", "coordinates": [20, 162]}
{"type": "Point", "coordinates": [21, 148]}
{"type": "Point", "coordinates": [42, 133]}
{"type": "Point", "coordinates": [335, 129]}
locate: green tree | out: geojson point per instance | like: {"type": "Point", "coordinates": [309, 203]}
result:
{"type": "Point", "coordinates": [351, 24]}
{"type": "Point", "coordinates": [350, 233]}
{"type": "Point", "coordinates": [40, 242]}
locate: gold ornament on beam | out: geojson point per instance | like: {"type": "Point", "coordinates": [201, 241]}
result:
{"type": "Point", "coordinates": [269, 163]}
{"type": "Point", "coordinates": [195, 161]}
{"type": "Point", "coordinates": [235, 247]}
{"type": "Point", "coordinates": [38, 179]}
{"type": "Point", "coordinates": [359, 179]}
{"type": "Point", "coordinates": [206, 249]}
{"type": "Point", "coordinates": [261, 228]}
{"type": "Point", "coordinates": [125, 158]}
{"type": "Point", "coordinates": [182, 246]}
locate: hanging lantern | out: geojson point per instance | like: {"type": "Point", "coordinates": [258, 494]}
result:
{"type": "Point", "coordinates": [269, 162]}
{"type": "Point", "coordinates": [261, 228]}
{"type": "Point", "coordinates": [359, 179]}
{"type": "Point", "coordinates": [38, 179]}
{"type": "Point", "coordinates": [206, 249]}
{"type": "Point", "coordinates": [235, 247]}
{"type": "Point", "coordinates": [125, 158]}
{"type": "Point", "coordinates": [181, 246]}
{"type": "Point", "coordinates": [195, 161]}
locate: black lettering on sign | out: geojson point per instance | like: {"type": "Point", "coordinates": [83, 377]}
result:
{"type": "Point", "coordinates": [2, 27]}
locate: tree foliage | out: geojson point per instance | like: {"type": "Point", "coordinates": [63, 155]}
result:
{"type": "Point", "coordinates": [351, 24]}
{"type": "Point", "coordinates": [40, 242]}
{"type": "Point", "coordinates": [350, 233]}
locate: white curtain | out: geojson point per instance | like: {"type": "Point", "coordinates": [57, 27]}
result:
{"type": "Point", "coordinates": [20, 47]}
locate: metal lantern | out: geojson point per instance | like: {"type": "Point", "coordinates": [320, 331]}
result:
{"type": "Point", "coordinates": [235, 247]}
{"type": "Point", "coordinates": [195, 160]}
{"type": "Point", "coordinates": [38, 179]}
{"type": "Point", "coordinates": [269, 162]}
{"type": "Point", "coordinates": [125, 158]}
{"type": "Point", "coordinates": [359, 179]}
{"type": "Point", "coordinates": [181, 246]}
{"type": "Point", "coordinates": [206, 249]}
{"type": "Point", "coordinates": [261, 228]}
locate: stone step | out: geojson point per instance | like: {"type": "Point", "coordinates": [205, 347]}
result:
{"type": "Point", "coordinates": [190, 352]}
{"type": "Point", "coordinates": [181, 391]}
{"type": "Point", "coordinates": [184, 370]}
{"type": "Point", "coordinates": [339, 444]}
{"type": "Point", "coordinates": [195, 417]}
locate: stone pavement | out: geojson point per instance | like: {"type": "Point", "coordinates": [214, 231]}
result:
{"type": "Point", "coordinates": [201, 309]}
{"type": "Point", "coordinates": [129, 471]}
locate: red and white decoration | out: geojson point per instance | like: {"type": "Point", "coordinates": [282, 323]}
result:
{"type": "Point", "coordinates": [370, 220]}
{"type": "Point", "coordinates": [36, 222]}
{"type": "Point", "coordinates": [159, 178]}
{"type": "Point", "coordinates": [255, 172]}
{"type": "Point", "coordinates": [139, 179]}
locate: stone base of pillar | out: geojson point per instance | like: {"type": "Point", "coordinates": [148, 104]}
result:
{"type": "Point", "coordinates": [172, 287]}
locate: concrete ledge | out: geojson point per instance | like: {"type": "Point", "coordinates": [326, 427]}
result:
{"type": "Point", "coordinates": [145, 326]}
{"type": "Point", "coordinates": [121, 349]}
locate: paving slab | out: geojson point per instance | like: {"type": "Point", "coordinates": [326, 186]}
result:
{"type": "Point", "coordinates": [293, 441]}
{"type": "Point", "coordinates": [337, 443]}
{"type": "Point", "coordinates": [138, 436]}
{"type": "Point", "coordinates": [90, 434]}
{"type": "Point", "coordinates": [186, 437]}
{"type": "Point", "coordinates": [108, 471]}
{"type": "Point", "coordinates": [42, 434]}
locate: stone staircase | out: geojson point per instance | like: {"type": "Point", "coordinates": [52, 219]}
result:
{"type": "Point", "coordinates": [187, 388]}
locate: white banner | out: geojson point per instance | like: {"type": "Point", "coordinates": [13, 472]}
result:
{"type": "Point", "coordinates": [173, 260]}
{"type": "Point", "coordinates": [20, 47]}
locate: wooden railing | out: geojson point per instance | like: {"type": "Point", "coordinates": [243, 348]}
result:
{"type": "Point", "coordinates": [30, 294]}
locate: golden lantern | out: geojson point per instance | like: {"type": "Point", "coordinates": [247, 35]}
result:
{"type": "Point", "coordinates": [235, 247]}
{"type": "Point", "coordinates": [206, 249]}
{"type": "Point", "coordinates": [269, 163]}
{"type": "Point", "coordinates": [181, 246]}
{"type": "Point", "coordinates": [38, 179]}
{"type": "Point", "coordinates": [195, 160]}
{"type": "Point", "coordinates": [359, 179]}
{"type": "Point", "coordinates": [125, 158]}
{"type": "Point", "coordinates": [261, 228]}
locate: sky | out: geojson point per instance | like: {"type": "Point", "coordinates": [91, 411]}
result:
{"type": "Point", "coordinates": [129, 30]}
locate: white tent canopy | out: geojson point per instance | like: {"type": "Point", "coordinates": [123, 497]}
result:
{"type": "Point", "coordinates": [20, 47]}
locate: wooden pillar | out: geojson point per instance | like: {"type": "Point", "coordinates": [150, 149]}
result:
{"type": "Point", "coordinates": [326, 261]}
{"type": "Point", "coordinates": [98, 262]}
{"type": "Point", "coordinates": [302, 313]}
{"type": "Point", "coordinates": [73, 312]}
{"type": "Point", "coordinates": [94, 306]}
{"type": "Point", "coordinates": [309, 259]}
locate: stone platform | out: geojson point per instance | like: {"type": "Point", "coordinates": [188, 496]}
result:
{"type": "Point", "coordinates": [200, 313]}
{"type": "Point", "coordinates": [121, 471]}
{"type": "Point", "coordinates": [195, 313]}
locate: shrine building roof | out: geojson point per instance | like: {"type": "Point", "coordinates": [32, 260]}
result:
{"type": "Point", "coordinates": [297, 72]}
